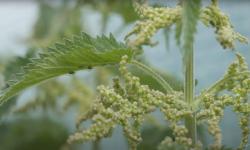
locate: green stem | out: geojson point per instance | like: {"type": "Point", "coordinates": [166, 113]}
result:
{"type": "Point", "coordinates": [224, 80]}
{"type": "Point", "coordinates": [215, 86]}
{"type": "Point", "coordinates": [155, 75]}
{"type": "Point", "coordinates": [189, 88]}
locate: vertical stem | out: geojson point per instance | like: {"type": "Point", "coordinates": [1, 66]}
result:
{"type": "Point", "coordinates": [189, 92]}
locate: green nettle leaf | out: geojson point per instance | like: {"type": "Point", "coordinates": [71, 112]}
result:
{"type": "Point", "coordinates": [83, 52]}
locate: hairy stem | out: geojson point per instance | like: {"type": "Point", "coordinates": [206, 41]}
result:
{"type": "Point", "coordinates": [215, 86]}
{"type": "Point", "coordinates": [224, 80]}
{"type": "Point", "coordinates": [190, 121]}
{"type": "Point", "coordinates": [155, 75]}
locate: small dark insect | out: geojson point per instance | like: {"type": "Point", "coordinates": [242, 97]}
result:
{"type": "Point", "coordinates": [196, 82]}
{"type": "Point", "coordinates": [90, 67]}
{"type": "Point", "coordinates": [7, 86]}
{"type": "Point", "coordinates": [212, 23]}
{"type": "Point", "coordinates": [71, 72]}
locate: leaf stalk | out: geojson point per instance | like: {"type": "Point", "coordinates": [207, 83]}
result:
{"type": "Point", "coordinates": [155, 75]}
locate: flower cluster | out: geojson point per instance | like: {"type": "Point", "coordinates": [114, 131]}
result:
{"type": "Point", "coordinates": [153, 19]}
{"type": "Point", "coordinates": [127, 105]}
{"type": "Point", "coordinates": [237, 82]}
{"type": "Point", "coordinates": [211, 113]}
{"type": "Point", "coordinates": [240, 87]}
{"type": "Point", "coordinates": [213, 16]}
{"type": "Point", "coordinates": [175, 110]}
{"type": "Point", "coordinates": [117, 105]}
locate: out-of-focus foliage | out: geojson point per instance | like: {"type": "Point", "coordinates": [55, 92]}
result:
{"type": "Point", "coordinates": [67, 18]}
{"type": "Point", "coordinates": [29, 134]}
{"type": "Point", "coordinates": [50, 94]}
{"type": "Point", "coordinates": [56, 22]}
{"type": "Point", "coordinates": [15, 64]}
{"type": "Point", "coordinates": [121, 7]}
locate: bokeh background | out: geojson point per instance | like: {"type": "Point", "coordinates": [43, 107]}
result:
{"type": "Point", "coordinates": [43, 116]}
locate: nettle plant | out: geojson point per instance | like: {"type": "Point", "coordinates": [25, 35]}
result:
{"type": "Point", "coordinates": [128, 102]}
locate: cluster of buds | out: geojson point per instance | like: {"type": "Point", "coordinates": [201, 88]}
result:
{"type": "Point", "coordinates": [175, 110]}
{"type": "Point", "coordinates": [211, 113]}
{"type": "Point", "coordinates": [153, 19]}
{"type": "Point", "coordinates": [237, 82]}
{"type": "Point", "coordinates": [181, 141]}
{"type": "Point", "coordinates": [244, 125]}
{"type": "Point", "coordinates": [167, 143]}
{"type": "Point", "coordinates": [241, 100]}
{"type": "Point", "coordinates": [127, 105]}
{"type": "Point", "coordinates": [213, 16]}
{"type": "Point", "coordinates": [119, 105]}
{"type": "Point", "coordinates": [237, 77]}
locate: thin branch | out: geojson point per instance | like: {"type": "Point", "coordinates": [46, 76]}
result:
{"type": "Point", "coordinates": [155, 75]}
{"type": "Point", "coordinates": [224, 80]}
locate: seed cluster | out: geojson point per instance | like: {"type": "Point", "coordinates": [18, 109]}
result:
{"type": "Point", "coordinates": [127, 105]}
{"type": "Point", "coordinates": [237, 82]}
{"type": "Point", "coordinates": [212, 114]}
{"type": "Point", "coordinates": [213, 16]}
{"type": "Point", "coordinates": [241, 91]}
{"type": "Point", "coordinates": [153, 19]}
